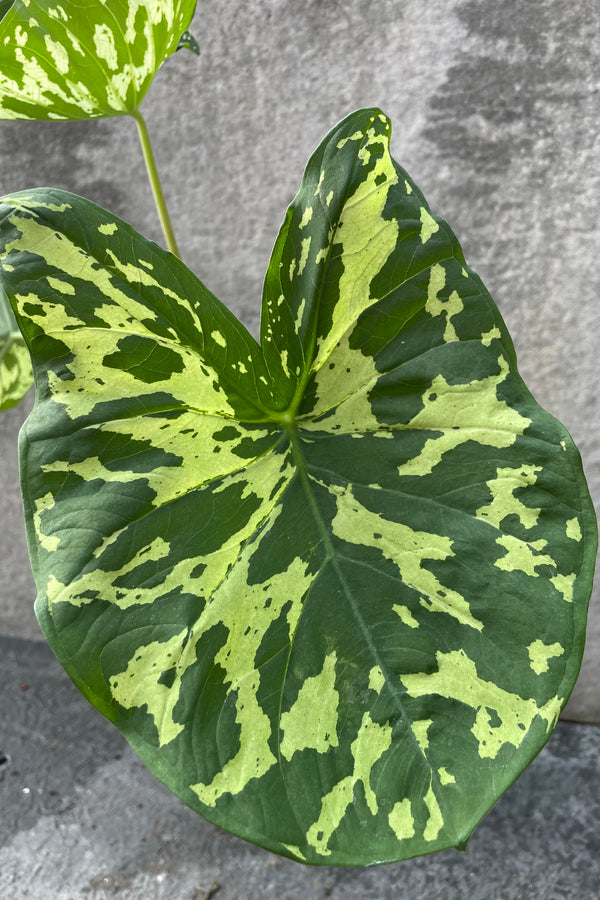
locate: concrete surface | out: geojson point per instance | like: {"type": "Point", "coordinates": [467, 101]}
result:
{"type": "Point", "coordinates": [82, 819]}
{"type": "Point", "coordinates": [496, 107]}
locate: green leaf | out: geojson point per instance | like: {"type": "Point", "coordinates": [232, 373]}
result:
{"type": "Point", "coordinates": [331, 587]}
{"type": "Point", "coordinates": [84, 59]}
{"type": "Point", "coordinates": [5, 5]}
{"type": "Point", "coordinates": [187, 41]}
{"type": "Point", "coordinates": [15, 367]}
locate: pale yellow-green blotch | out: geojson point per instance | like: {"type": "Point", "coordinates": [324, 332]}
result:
{"type": "Point", "coordinates": [44, 503]}
{"type": "Point", "coordinates": [406, 615]}
{"type": "Point", "coordinates": [356, 136]}
{"type": "Point", "coordinates": [434, 823]}
{"type": "Point", "coordinates": [520, 555]}
{"type": "Point", "coordinates": [306, 217]}
{"type": "Point", "coordinates": [369, 746]}
{"type": "Point", "coordinates": [244, 679]}
{"type": "Point", "coordinates": [420, 728]}
{"type": "Point", "coordinates": [540, 653]}
{"type": "Point", "coordinates": [407, 549]}
{"type": "Point", "coordinates": [376, 679]}
{"type": "Point", "coordinates": [461, 413]}
{"type": "Point", "coordinates": [491, 335]}
{"type": "Point", "coordinates": [123, 314]}
{"type": "Point", "coordinates": [107, 229]}
{"type": "Point", "coordinates": [564, 584]}
{"type": "Point", "coordinates": [63, 287]}
{"type": "Point", "coordinates": [133, 274]}
{"type": "Point", "coordinates": [448, 307]}
{"type": "Point", "coordinates": [504, 503]}
{"type": "Point", "coordinates": [295, 851]}
{"type": "Point", "coordinates": [401, 820]}
{"type": "Point", "coordinates": [191, 437]}
{"type": "Point", "coordinates": [59, 54]}
{"type": "Point", "coordinates": [428, 225]}
{"type": "Point", "coordinates": [305, 247]}
{"type": "Point", "coordinates": [573, 529]}
{"type": "Point", "coordinates": [234, 604]}
{"type": "Point", "coordinates": [311, 723]}
{"type": "Point", "coordinates": [139, 684]}
{"type": "Point", "coordinates": [333, 807]}
{"type": "Point", "coordinates": [342, 388]}
{"type": "Point", "coordinates": [105, 46]}
{"type": "Point", "coordinates": [218, 338]}
{"type": "Point", "coordinates": [371, 743]}
{"type": "Point", "coordinates": [457, 679]}
{"type": "Point", "coordinates": [445, 776]}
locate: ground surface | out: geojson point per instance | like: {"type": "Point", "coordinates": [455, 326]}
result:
{"type": "Point", "coordinates": [82, 819]}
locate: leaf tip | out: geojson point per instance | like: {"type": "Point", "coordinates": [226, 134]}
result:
{"type": "Point", "coordinates": [187, 41]}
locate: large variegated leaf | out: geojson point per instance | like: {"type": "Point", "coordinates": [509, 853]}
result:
{"type": "Point", "coordinates": [15, 366]}
{"type": "Point", "coordinates": [84, 59]}
{"type": "Point", "coordinates": [331, 587]}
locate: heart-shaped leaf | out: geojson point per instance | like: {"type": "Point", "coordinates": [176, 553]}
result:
{"type": "Point", "coordinates": [332, 587]}
{"type": "Point", "coordinates": [15, 366]}
{"type": "Point", "coordinates": [84, 59]}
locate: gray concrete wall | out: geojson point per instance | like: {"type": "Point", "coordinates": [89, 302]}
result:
{"type": "Point", "coordinates": [496, 107]}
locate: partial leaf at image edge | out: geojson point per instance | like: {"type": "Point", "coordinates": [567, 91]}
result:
{"type": "Point", "coordinates": [336, 589]}
{"type": "Point", "coordinates": [16, 376]}
{"type": "Point", "coordinates": [84, 59]}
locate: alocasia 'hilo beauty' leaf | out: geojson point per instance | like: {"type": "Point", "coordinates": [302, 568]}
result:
{"type": "Point", "coordinates": [84, 59]}
{"type": "Point", "coordinates": [332, 587]}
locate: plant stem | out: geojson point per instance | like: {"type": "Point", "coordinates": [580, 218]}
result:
{"type": "Point", "coordinates": [157, 191]}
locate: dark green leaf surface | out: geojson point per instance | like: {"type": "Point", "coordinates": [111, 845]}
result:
{"type": "Point", "coordinates": [16, 376]}
{"type": "Point", "coordinates": [5, 5]}
{"type": "Point", "coordinates": [331, 587]}
{"type": "Point", "coordinates": [84, 59]}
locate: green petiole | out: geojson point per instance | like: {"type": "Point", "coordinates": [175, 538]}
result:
{"type": "Point", "coordinates": [157, 191]}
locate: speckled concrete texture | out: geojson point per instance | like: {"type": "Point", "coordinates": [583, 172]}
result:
{"type": "Point", "coordinates": [82, 819]}
{"type": "Point", "coordinates": [496, 111]}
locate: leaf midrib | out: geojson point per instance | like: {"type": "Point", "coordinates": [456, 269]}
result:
{"type": "Point", "coordinates": [332, 557]}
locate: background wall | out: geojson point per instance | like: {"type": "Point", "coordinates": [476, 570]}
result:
{"type": "Point", "coordinates": [496, 108]}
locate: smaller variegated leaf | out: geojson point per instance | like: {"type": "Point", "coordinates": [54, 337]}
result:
{"type": "Point", "coordinates": [84, 59]}
{"type": "Point", "coordinates": [331, 587]}
{"type": "Point", "coordinates": [16, 376]}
